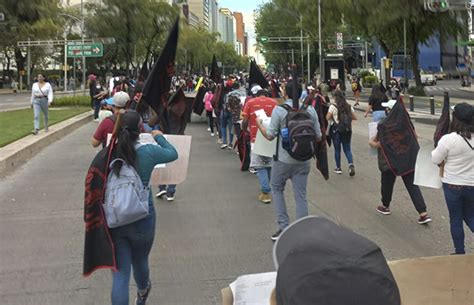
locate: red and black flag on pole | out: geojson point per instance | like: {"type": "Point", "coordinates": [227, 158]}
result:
{"type": "Point", "coordinates": [275, 89]}
{"type": "Point", "coordinates": [256, 76]}
{"type": "Point", "coordinates": [215, 75]}
{"type": "Point", "coordinates": [198, 103]}
{"type": "Point", "coordinates": [177, 113]}
{"type": "Point", "coordinates": [158, 83]}
{"type": "Point", "coordinates": [442, 127]}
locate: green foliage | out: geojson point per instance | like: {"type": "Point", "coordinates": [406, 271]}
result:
{"type": "Point", "coordinates": [72, 101]}
{"type": "Point", "coordinates": [364, 73]}
{"type": "Point", "coordinates": [369, 80]}
{"type": "Point", "coordinates": [417, 91]}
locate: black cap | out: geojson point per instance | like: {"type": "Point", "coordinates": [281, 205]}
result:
{"type": "Point", "coordinates": [130, 120]}
{"type": "Point", "coordinates": [321, 263]}
{"type": "Point", "coordinates": [464, 112]}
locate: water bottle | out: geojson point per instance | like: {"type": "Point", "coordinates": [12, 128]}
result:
{"type": "Point", "coordinates": [285, 138]}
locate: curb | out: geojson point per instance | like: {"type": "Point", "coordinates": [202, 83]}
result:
{"type": "Point", "coordinates": [18, 153]}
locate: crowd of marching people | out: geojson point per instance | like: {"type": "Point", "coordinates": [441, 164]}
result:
{"type": "Point", "coordinates": [304, 121]}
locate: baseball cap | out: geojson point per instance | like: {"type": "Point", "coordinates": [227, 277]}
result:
{"type": "Point", "coordinates": [120, 99]}
{"type": "Point", "coordinates": [310, 87]}
{"type": "Point", "coordinates": [319, 262]}
{"type": "Point", "coordinates": [255, 89]}
{"type": "Point", "coordinates": [389, 104]}
{"type": "Point", "coordinates": [464, 112]}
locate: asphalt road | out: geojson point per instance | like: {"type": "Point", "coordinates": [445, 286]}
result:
{"type": "Point", "coordinates": [215, 231]}
{"type": "Point", "coordinates": [10, 101]}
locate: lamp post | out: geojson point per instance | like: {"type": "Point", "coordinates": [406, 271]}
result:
{"type": "Point", "coordinates": [83, 56]}
{"type": "Point", "coordinates": [320, 43]}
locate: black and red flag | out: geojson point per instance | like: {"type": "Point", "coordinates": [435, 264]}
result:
{"type": "Point", "coordinates": [177, 113]}
{"type": "Point", "coordinates": [321, 147]}
{"type": "Point", "coordinates": [215, 75]}
{"type": "Point", "coordinates": [256, 76]}
{"type": "Point", "coordinates": [198, 103]}
{"type": "Point", "coordinates": [442, 127]}
{"type": "Point", "coordinates": [398, 140]}
{"type": "Point", "coordinates": [158, 83]}
{"type": "Point", "coordinates": [144, 70]}
{"type": "Point", "coordinates": [275, 89]}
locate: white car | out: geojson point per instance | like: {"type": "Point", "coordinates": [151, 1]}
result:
{"type": "Point", "coordinates": [428, 79]}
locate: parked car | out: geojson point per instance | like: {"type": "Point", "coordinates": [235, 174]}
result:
{"type": "Point", "coordinates": [428, 79]}
{"type": "Point", "coordinates": [440, 76]}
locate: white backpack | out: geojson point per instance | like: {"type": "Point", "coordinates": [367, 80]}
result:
{"type": "Point", "coordinates": [126, 199]}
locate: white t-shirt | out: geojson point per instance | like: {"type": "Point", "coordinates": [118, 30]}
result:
{"type": "Point", "coordinates": [333, 109]}
{"type": "Point", "coordinates": [46, 91]}
{"type": "Point", "coordinates": [458, 157]}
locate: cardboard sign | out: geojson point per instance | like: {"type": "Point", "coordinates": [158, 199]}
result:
{"type": "Point", "coordinates": [174, 172]}
{"type": "Point", "coordinates": [426, 172]}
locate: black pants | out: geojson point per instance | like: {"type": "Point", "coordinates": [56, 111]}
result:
{"type": "Point", "coordinates": [388, 181]}
{"type": "Point", "coordinates": [237, 130]}
{"type": "Point", "coordinates": [210, 119]}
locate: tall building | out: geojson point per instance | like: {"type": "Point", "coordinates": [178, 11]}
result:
{"type": "Point", "coordinates": [213, 15]}
{"type": "Point", "coordinates": [226, 26]}
{"type": "Point", "coordinates": [200, 8]}
{"type": "Point", "coordinates": [239, 33]}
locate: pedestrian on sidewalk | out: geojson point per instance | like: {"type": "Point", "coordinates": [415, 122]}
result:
{"type": "Point", "coordinates": [388, 176]}
{"type": "Point", "coordinates": [95, 90]}
{"type": "Point", "coordinates": [340, 115]}
{"type": "Point", "coordinates": [262, 164]}
{"type": "Point", "coordinates": [376, 99]}
{"type": "Point", "coordinates": [356, 89]}
{"type": "Point", "coordinates": [41, 99]}
{"type": "Point", "coordinates": [133, 242]}
{"type": "Point", "coordinates": [209, 109]}
{"type": "Point", "coordinates": [226, 116]}
{"type": "Point", "coordinates": [455, 151]}
{"type": "Point", "coordinates": [14, 86]}
{"type": "Point", "coordinates": [285, 167]}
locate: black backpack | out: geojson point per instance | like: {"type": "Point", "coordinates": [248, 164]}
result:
{"type": "Point", "coordinates": [345, 122]}
{"type": "Point", "coordinates": [301, 133]}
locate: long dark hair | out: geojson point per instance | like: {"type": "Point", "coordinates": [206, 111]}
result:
{"type": "Point", "coordinates": [377, 93]}
{"type": "Point", "coordinates": [341, 104]}
{"type": "Point", "coordinates": [461, 128]}
{"type": "Point", "coordinates": [127, 137]}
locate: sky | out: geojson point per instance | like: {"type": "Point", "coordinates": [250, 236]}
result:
{"type": "Point", "coordinates": [246, 7]}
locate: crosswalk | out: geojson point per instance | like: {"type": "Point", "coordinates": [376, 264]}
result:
{"type": "Point", "coordinates": [442, 89]}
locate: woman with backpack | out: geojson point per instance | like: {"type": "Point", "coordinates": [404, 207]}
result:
{"type": "Point", "coordinates": [340, 115]}
{"type": "Point", "coordinates": [133, 242]}
{"type": "Point", "coordinates": [455, 150]}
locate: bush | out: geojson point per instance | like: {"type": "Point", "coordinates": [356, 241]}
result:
{"type": "Point", "coordinates": [416, 91]}
{"type": "Point", "coordinates": [369, 80]}
{"type": "Point", "coordinates": [72, 101]}
{"type": "Point", "coordinates": [364, 73]}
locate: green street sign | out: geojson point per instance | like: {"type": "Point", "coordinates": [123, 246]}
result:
{"type": "Point", "coordinates": [87, 50]}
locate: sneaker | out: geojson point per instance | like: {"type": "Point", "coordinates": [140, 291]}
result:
{"type": "Point", "coordinates": [424, 219]}
{"type": "Point", "coordinates": [35, 132]}
{"type": "Point", "coordinates": [141, 297]}
{"type": "Point", "coordinates": [212, 134]}
{"type": "Point", "coordinates": [252, 170]}
{"type": "Point", "coordinates": [223, 146]}
{"type": "Point", "coordinates": [265, 198]}
{"type": "Point", "coordinates": [351, 170]}
{"type": "Point", "coordinates": [209, 129]}
{"type": "Point", "coordinates": [96, 120]}
{"type": "Point", "coordinates": [383, 210]}
{"type": "Point", "coordinates": [170, 197]}
{"type": "Point", "coordinates": [160, 193]}
{"type": "Point", "coordinates": [219, 141]}
{"type": "Point", "coordinates": [276, 235]}
{"type": "Point", "coordinates": [230, 147]}
{"type": "Point", "coordinates": [338, 171]}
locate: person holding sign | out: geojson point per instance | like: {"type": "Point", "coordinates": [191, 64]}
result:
{"type": "Point", "coordinates": [455, 150]}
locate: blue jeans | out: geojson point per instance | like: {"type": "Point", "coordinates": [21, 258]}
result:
{"type": "Point", "coordinates": [132, 243]}
{"type": "Point", "coordinates": [264, 174]}
{"type": "Point", "coordinates": [460, 202]}
{"type": "Point", "coordinates": [170, 189]}
{"type": "Point", "coordinates": [345, 140]}
{"type": "Point", "coordinates": [378, 115]}
{"type": "Point", "coordinates": [226, 124]}
{"type": "Point", "coordinates": [40, 105]}
{"type": "Point", "coordinates": [298, 174]}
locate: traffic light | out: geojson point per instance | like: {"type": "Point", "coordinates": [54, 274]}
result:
{"type": "Point", "coordinates": [437, 6]}
{"type": "Point", "coordinates": [387, 63]}
{"type": "Point", "coordinates": [263, 39]}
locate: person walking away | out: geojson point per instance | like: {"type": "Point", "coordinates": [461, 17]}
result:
{"type": "Point", "coordinates": [262, 164]}
{"type": "Point", "coordinates": [95, 90]}
{"type": "Point", "coordinates": [41, 99]}
{"type": "Point", "coordinates": [356, 89]}
{"type": "Point", "coordinates": [133, 242]}
{"type": "Point", "coordinates": [287, 167]}
{"type": "Point", "coordinates": [209, 109]}
{"type": "Point", "coordinates": [394, 89]}
{"type": "Point", "coordinates": [14, 86]}
{"type": "Point", "coordinates": [226, 119]}
{"type": "Point", "coordinates": [340, 115]}
{"type": "Point", "coordinates": [388, 177]}
{"type": "Point", "coordinates": [376, 99]}
{"type": "Point", "coordinates": [456, 152]}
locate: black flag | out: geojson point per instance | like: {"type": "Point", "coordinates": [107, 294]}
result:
{"type": "Point", "coordinates": [442, 127]}
{"type": "Point", "coordinates": [144, 70]}
{"type": "Point", "coordinates": [398, 140]}
{"type": "Point", "coordinates": [158, 83]}
{"type": "Point", "coordinates": [256, 76]}
{"type": "Point", "coordinates": [198, 103]}
{"type": "Point", "coordinates": [177, 113]}
{"type": "Point", "coordinates": [215, 75]}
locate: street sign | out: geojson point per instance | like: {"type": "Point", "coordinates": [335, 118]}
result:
{"type": "Point", "coordinates": [339, 41]}
{"type": "Point", "coordinates": [334, 55]}
{"type": "Point", "coordinates": [87, 50]}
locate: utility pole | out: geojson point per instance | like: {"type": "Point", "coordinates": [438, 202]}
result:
{"type": "Point", "coordinates": [321, 72]}
{"type": "Point", "coordinates": [302, 49]}
{"type": "Point", "coordinates": [28, 65]}
{"type": "Point", "coordinates": [65, 61]}
{"type": "Point", "coordinates": [309, 62]}
{"type": "Point", "coordinates": [83, 55]}
{"type": "Point", "coordinates": [405, 67]}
